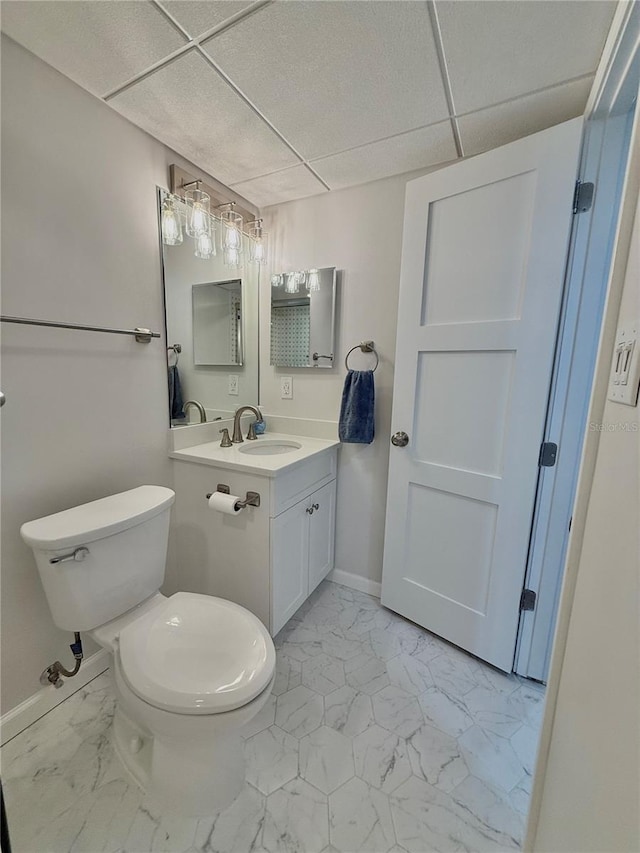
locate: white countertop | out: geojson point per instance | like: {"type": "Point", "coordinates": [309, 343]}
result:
{"type": "Point", "coordinates": [269, 466]}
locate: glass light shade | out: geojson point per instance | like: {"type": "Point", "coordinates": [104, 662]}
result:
{"type": "Point", "coordinates": [205, 245]}
{"type": "Point", "coordinates": [313, 281]}
{"type": "Point", "coordinates": [301, 278]}
{"type": "Point", "coordinates": [258, 249]}
{"type": "Point", "coordinates": [276, 280]}
{"type": "Point", "coordinates": [198, 218]}
{"type": "Point", "coordinates": [232, 257]}
{"type": "Point", "coordinates": [291, 283]}
{"type": "Point", "coordinates": [231, 225]}
{"type": "Point", "coordinates": [258, 242]}
{"type": "Point", "coordinates": [170, 222]}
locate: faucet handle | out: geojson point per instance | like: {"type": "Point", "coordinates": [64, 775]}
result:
{"type": "Point", "coordinates": [226, 441]}
{"type": "Point", "coordinates": [251, 434]}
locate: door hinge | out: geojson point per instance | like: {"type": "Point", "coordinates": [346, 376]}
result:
{"type": "Point", "coordinates": [583, 196]}
{"type": "Point", "coordinates": [548, 454]}
{"type": "Point", "coordinates": [528, 600]}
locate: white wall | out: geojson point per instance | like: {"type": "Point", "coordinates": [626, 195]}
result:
{"type": "Point", "coordinates": [86, 414]}
{"type": "Point", "coordinates": [587, 791]}
{"type": "Point", "coordinates": [359, 231]}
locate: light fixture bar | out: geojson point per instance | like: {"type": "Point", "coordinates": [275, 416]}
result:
{"type": "Point", "coordinates": [181, 180]}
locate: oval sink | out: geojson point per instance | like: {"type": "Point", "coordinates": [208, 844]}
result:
{"type": "Point", "coordinates": [265, 447]}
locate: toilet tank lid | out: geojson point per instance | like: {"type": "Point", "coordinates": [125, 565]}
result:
{"type": "Point", "coordinates": [95, 520]}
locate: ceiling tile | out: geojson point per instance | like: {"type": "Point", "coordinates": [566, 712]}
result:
{"type": "Point", "coordinates": [495, 126]}
{"type": "Point", "coordinates": [500, 50]}
{"type": "Point", "coordinates": [333, 75]}
{"type": "Point", "coordinates": [189, 107]}
{"type": "Point", "coordinates": [99, 45]}
{"type": "Point", "coordinates": [417, 149]}
{"type": "Point", "coordinates": [287, 185]}
{"type": "Point", "coordinates": [198, 16]}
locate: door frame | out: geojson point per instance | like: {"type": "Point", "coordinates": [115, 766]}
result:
{"type": "Point", "coordinates": [603, 161]}
{"type": "Point", "coordinates": [623, 38]}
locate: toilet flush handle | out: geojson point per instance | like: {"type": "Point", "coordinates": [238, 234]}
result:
{"type": "Point", "coordinates": [78, 555]}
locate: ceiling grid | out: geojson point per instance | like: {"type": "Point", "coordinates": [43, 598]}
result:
{"type": "Point", "coordinates": [282, 99]}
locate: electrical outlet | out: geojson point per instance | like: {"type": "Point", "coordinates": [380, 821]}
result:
{"type": "Point", "coordinates": [233, 384]}
{"type": "Point", "coordinates": [286, 388]}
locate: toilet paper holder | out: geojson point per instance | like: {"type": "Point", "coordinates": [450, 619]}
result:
{"type": "Point", "coordinates": [251, 499]}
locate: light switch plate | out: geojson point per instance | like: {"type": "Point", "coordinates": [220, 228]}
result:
{"type": "Point", "coordinates": [625, 369]}
{"type": "Point", "coordinates": [286, 388]}
{"type": "Point", "coordinates": [233, 384]}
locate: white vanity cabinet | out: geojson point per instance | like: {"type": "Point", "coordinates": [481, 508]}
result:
{"type": "Point", "coordinates": [269, 558]}
{"type": "Point", "coordinates": [302, 547]}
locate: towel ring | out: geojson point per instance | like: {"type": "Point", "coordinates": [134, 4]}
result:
{"type": "Point", "coordinates": [364, 346]}
{"type": "Point", "coordinates": [176, 349]}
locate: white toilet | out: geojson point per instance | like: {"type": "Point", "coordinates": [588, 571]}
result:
{"type": "Point", "coordinates": [189, 670]}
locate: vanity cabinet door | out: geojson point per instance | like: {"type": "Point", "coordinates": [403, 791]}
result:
{"type": "Point", "coordinates": [289, 563]}
{"type": "Point", "coordinates": [321, 533]}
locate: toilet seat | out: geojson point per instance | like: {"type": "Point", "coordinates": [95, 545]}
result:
{"type": "Point", "coordinates": [197, 654]}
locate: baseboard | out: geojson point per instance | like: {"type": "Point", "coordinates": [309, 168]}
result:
{"type": "Point", "coordinates": [36, 706]}
{"type": "Point", "coordinates": [355, 582]}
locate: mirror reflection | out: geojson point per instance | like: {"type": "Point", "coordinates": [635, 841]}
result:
{"type": "Point", "coordinates": [217, 323]}
{"type": "Point", "coordinates": [303, 318]}
{"type": "Point", "coordinates": [211, 314]}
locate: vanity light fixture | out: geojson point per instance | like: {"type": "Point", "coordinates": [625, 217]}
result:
{"type": "Point", "coordinates": [291, 283]}
{"type": "Point", "coordinates": [277, 280]}
{"type": "Point", "coordinates": [198, 205]}
{"type": "Point", "coordinates": [313, 281]}
{"type": "Point", "coordinates": [258, 244]}
{"type": "Point", "coordinates": [170, 222]}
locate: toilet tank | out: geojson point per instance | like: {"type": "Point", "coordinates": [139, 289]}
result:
{"type": "Point", "coordinates": [124, 548]}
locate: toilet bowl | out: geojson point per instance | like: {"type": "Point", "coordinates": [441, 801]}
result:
{"type": "Point", "coordinates": [189, 671]}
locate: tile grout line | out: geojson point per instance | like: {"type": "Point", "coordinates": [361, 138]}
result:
{"type": "Point", "coordinates": [196, 43]}
{"type": "Point", "coordinates": [444, 73]}
{"type": "Point", "coordinates": [257, 111]}
{"type": "Point", "coordinates": [524, 95]}
{"type": "Point", "coordinates": [228, 23]}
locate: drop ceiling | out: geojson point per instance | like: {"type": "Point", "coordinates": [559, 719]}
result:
{"type": "Point", "coordinates": [292, 98]}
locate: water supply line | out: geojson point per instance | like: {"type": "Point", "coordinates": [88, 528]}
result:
{"type": "Point", "coordinates": [53, 673]}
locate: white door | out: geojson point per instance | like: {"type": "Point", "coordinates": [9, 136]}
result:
{"type": "Point", "coordinates": [483, 262]}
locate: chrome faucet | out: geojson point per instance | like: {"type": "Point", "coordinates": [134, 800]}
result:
{"type": "Point", "coordinates": [237, 431]}
{"type": "Point", "coordinates": [199, 407]}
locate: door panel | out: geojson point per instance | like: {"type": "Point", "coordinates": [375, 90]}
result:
{"type": "Point", "coordinates": [321, 533]}
{"type": "Point", "coordinates": [289, 560]}
{"type": "Point", "coordinates": [448, 386]}
{"type": "Point", "coordinates": [491, 287]}
{"type": "Point", "coordinates": [483, 261]}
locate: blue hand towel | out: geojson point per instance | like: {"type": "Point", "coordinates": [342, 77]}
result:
{"type": "Point", "coordinates": [175, 394]}
{"type": "Point", "coordinates": [357, 409]}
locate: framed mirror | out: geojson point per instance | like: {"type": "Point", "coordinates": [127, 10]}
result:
{"type": "Point", "coordinates": [211, 315]}
{"type": "Point", "coordinates": [303, 306]}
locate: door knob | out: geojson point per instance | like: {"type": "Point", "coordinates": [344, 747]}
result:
{"type": "Point", "coordinates": [399, 439]}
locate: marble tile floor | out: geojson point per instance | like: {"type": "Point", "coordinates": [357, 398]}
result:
{"type": "Point", "coordinates": [379, 737]}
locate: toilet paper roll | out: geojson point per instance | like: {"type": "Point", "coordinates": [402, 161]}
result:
{"type": "Point", "coordinates": [224, 503]}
